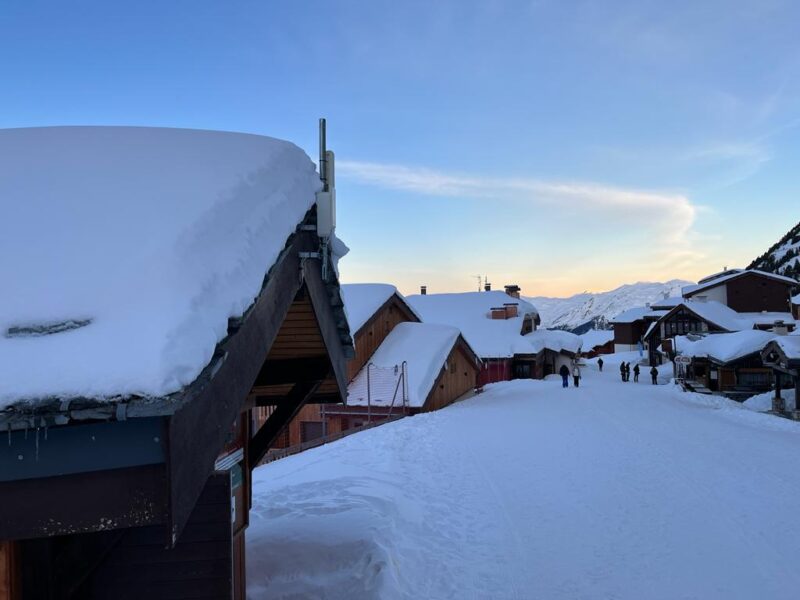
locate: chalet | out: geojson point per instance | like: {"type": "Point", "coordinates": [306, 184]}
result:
{"type": "Point", "coordinates": [727, 363]}
{"type": "Point", "coordinates": [175, 303]}
{"type": "Point", "coordinates": [419, 367]}
{"type": "Point", "coordinates": [631, 326]}
{"type": "Point", "coordinates": [745, 290]}
{"type": "Point", "coordinates": [700, 317]}
{"type": "Point", "coordinates": [492, 322]}
{"type": "Point", "coordinates": [596, 342]}
{"type": "Point", "coordinates": [373, 311]}
{"type": "Point", "coordinates": [550, 349]}
{"type": "Point", "coordinates": [783, 355]}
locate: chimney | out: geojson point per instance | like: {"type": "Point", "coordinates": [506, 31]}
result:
{"type": "Point", "coordinates": [513, 290]}
{"type": "Point", "coordinates": [423, 290]}
{"type": "Point", "coordinates": [780, 328]}
{"type": "Point", "coordinates": [487, 287]}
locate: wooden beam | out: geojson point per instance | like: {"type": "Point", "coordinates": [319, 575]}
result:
{"type": "Point", "coordinates": [279, 419]}
{"type": "Point", "coordinates": [283, 371]}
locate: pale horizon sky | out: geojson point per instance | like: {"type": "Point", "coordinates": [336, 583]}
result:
{"type": "Point", "coordinates": [563, 146]}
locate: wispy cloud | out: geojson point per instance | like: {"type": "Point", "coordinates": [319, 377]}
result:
{"type": "Point", "coordinates": [669, 216]}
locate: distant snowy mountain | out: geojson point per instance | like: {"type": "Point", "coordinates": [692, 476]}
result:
{"type": "Point", "coordinates": [586, 311]}
{"type": "Point", "coordinates": [784, 256]}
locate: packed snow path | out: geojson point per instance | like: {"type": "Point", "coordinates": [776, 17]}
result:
{"type": "Point", "coordinates": [613, 490]}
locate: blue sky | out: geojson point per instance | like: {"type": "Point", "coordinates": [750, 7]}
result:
{"type": "Point", "coordinates": [564, 146]}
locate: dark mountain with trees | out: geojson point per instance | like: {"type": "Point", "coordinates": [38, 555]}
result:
{"type": "Point", "coordinates": [783, 257]}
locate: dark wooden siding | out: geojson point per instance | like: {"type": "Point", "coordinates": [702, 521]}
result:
{"type": "Point", "coordinates": [457, 379]}
{"type": "Point", "coordinates": [8, 571]}
{"type": "Point", "coordinates": [752, 293]}
{"type": "Point", "coordinates": [629, 333]}
{"type": "Point", "coordinates": [200, 565]}
{"type": "Point", "coordinates": [494, 370]}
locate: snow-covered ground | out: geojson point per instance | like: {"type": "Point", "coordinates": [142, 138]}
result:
{"type": "Point", "coordinates": [613, 490]}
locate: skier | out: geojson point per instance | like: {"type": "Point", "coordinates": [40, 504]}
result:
{"type": "Point", "coordinates": [600, 364]}
{"type": "Point", "coordinates": [654, 375]}
{"type": "Point", "coordinates": [622, 371]}
{"type": "Point", "coordinates": [636, 373]}
{"type": "Point", "coordinates": [576, 376]}
{"type": "Point", "coordinates": [564, 372]}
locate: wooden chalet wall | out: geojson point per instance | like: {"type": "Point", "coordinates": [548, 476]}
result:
{"type": "Point", "coordinates": [371, 335]}
{"type": "Point", "coordinates": [753, 293]}
{"type": "Point", "coordinates": [494, 370]}
{"type": "Point", "coordinates": [629, 333]}
{"type": "Point", "coordinates": [8, 571]}
{"type": "Point", "coordinates": [457, 379]}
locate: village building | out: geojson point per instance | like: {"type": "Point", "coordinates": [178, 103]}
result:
{"type": "Point", "coordinates": [493, 323]}
{"type": "Point", "coordinates": [727, 363]}
{"type": "Point", "coordinates": [550, 350]}
{"type": "Point", "coordinates": [373, 311]}
{"type": "Point", "coordinates": [596, 342]}
{"type": "Point", "coordinates": [783, 355]}
{"type": "Point", "coordinates": [745, 290]}
{"type": "Point", "coordinates": [419, 367]}
{"type": "Point", "coordinates": [631, 326]}
{"type": "Point", "coordinates": [179, 304]}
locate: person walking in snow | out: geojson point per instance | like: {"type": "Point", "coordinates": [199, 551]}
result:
{"type": "Point", "coordinates": [564, 372]}
{"type": "Point", "coordinates": [576, 376]}
{"type": "Point", "coordinates": [654, 375]}
{"type": "Point", "coordinates": [636, 373]}
{"type": "Point", "coordinates": [622, 371]}
{"type": "Point", "coordinates": [600, 364]}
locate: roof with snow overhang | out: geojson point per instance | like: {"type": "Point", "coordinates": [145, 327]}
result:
{"type": "Point", "coordinates": [470, 312]}
{"type": "Point", "coordinates": [726, 276]}
{"type": "Point", "coordinates": [725, 347]}
{"type": "Point", "coordinates": [132, 248]}
{"type": "Point", "coordinates": [421, 349]}
{"type": "Point", "coordinates": [362, 301]}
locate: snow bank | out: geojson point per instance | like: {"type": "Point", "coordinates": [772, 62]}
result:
{"type": "Point", "coordinates": [763, 402]}
{"type": "Point", "coordinates": [611, 490]}
{"type": "Point", "coordinates": [423, 346]}
{"type": "Point", "coordinates": [149, 239]}
{"type": "Point", "coordinates": [470, 312]}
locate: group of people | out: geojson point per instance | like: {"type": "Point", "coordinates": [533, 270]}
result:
{"type": "Point", "coordinates": [624, 371]}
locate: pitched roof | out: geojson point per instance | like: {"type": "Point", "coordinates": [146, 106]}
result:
{"type": "Point", "coordinates": [638, 313]}
{"type": "Point", "coordinates": [556, 340]}
{"type": "Point", "coordinates": [596, 337]}
{"type": "Point", "coordinates": [726, 276]}
{"type": "Point", "coordinates": [726, 347]}
{"type": "Point", "coordinates": [362, 300]}
{"type": "Point", "coordinates": [424, 347]}
{"type": "Point", "coordinates": [471, 313]}
{"type": "Point", "coordinates": [134, 251]}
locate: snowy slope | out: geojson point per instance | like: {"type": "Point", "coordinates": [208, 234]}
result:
{"type": "Point", "coordinates": [575, 311]}
{"type": "Point", "coordinates": [612, 490]}
{"type": "Point", "coordinates": [131, 247]}
{"type": "Point", "coordinates": [783, 257]}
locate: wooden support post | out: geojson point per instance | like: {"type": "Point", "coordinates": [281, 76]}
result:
{"type": "Point", "coordinates": [778, 405]}
{"type": "Point", "coordinates": [280, 418]}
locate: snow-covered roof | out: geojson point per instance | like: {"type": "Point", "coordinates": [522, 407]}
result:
{"type": "Point", "coordinates": [719, 314]}
{"type": "Point", "coordinates": [423, 346]}
{"type": "Point", "coordinates": [666, 303]}
{"type": "Point", "coordinates": [637, 314]}
{"type": "Point", "coordinates": [725, 347]}
{"type": "Point", "coordinates": [128, 248]}
{"type": "Point", "coordinates": [596, 337]}
{"type": "Point", "coordinates": [727, 276]}
{"type": "Point", "coordinates": [362, 300]}
{"type": "Point", "coordinates": [556, 340]}
{"type": "Point", "coordinates": [796, 299]}
{"type": "Point", "coordinates": [790, 345]}
{"type": "Point", "coordinates": [471, 313]}
{"type": "Point", "coordinates": [768, 318]}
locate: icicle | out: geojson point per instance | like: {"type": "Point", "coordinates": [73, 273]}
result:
{"type": "Point", "coordinates": [9, 435]}
{"type": "Point", "coordinates": [37, 444]}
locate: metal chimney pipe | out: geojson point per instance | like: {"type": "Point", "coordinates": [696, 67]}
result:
{"type": "Point", "coordinates": [423, 290]}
